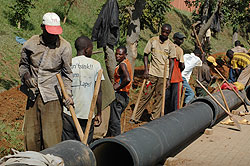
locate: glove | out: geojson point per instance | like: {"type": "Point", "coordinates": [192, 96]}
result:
{"type": "Point", "coordinates": [29, 81]}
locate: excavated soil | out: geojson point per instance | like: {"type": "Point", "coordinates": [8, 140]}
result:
{"type": "Point", "coordinates": [13, 102]}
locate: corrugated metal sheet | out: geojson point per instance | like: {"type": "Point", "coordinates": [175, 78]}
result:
{"type": "Point", "coordinates": [180, 4]}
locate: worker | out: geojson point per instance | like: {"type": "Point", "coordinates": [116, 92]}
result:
{"type": "Point", "coordinates": [204, 74]}
{"type": "Point", "coordinates": [238, 48]}
{"type": "Point", "coordinates": [240, 66]}
{"type": "Point", "coordinates": [122, 85]}
{"type": "Point", "coordinates": [85, 71]}
{"type": "Point", "coordinates": [173, 93]}
{"type": "Point", "coordinates": [190, 60]}
{"type": "Point", "coordinates": [162, 51]}
{"type": "Point", "coordinates": [42, 57]}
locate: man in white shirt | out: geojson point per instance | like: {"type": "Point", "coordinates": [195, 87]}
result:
{"type": "Point", "coordinates": [190, 60]}
{"type": "Point", "coordinates": [85, 71]}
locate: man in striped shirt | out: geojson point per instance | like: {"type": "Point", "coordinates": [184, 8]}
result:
{"type": "Point", "coordinates": [241, 64]}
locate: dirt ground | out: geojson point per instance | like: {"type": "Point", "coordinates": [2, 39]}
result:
{"type": "Point", "coordinates": [13, 102]}
{"type": "Point", "coordinates": [12, 110]}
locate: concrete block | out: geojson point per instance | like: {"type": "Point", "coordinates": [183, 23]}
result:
{"type": "Point", "coordinates": [235, 112]}
{"type": "Point", "coordinates": [171, 161]}
{"type": "Point", "coordinates": [208, 131]}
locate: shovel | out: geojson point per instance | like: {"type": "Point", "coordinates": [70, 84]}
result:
{"type": "Point", "coordinates": [230, 115]}
{"type": "Point", "coordinates": [228, 110]}
{"type": "Point", "coordinates": [92, 106]}
{"type": "Point", "coordinates": [71, 109]}
{"type": "Point", "coordinates": [232, 89]}
{"type": "Point", "coordinates": [138, 101]}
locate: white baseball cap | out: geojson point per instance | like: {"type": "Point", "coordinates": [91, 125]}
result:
{"type": "Point", "coordinates": [52, 23]}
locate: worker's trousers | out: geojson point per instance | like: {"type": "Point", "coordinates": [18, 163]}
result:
{"type": "Point", "coordinates": [173, 97]}
{"type": "Point", "coordinates": [153, 89]}
{"type": "Point", "coordinates": [116, 109]}
{"type": "Point", "coordinates": [43, 124]}
{"type": "Point", "coordinates": [70, 131]}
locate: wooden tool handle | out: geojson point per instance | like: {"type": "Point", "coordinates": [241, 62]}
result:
{"type": "Point", "coordinates": [229, 85]}
{"type": "Point", "coordinates": [213, 98]}
{"type": "Point", "coordinates": [225, 102]}
{"type": "Point", "coordinates": [182, 97]}
{"type": "Point", "coordinates": [92, 107]}
{"type": "Point", "coordinates": [138, 100]}
{"type": "Point", "coordinates": [164, 89]}
{"type": "Point", "coordinates": [71, 109]}
{"type": "Point", "coordinates": [197, 40]}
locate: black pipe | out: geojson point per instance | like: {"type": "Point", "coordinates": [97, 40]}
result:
{"type": "Point", "coordinates": [156, 140]}
{"type": "Point", "coordinates": [247, 99]}
{"type": "Point", "coordinates": [73, 153]}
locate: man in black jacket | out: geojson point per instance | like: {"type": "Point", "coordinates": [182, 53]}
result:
{"type": "Point", "coordinates": [106, 33]}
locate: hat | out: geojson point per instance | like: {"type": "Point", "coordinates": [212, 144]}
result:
{"type": "Point", "coordinates": [179, 35]}
{"type": "Point", "coordinates": [212, 60]}
{"type": "Point", "coordinates": [52, 23]}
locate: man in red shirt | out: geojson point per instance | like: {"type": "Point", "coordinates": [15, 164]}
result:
{"type": "Point", "coordinates": [173, 93]}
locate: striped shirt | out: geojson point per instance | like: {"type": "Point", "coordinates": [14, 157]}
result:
{"type": "Point", "coordinates": [240, 60]}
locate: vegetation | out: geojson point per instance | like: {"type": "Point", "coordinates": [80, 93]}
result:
{"type": "Point", "coordinates": [80, 21]}
{"type": "Point", "coordinates": [10, 137]}
{"type": "Point", "coordinates": [20, 10]}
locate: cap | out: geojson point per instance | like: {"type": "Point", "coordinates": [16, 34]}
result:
{"type": "Point", "coordinates": [179, 35]}
{"type": "Point", "coordinates": [212, 60]}
{"type": "Point", "coordinates": [52, 23]}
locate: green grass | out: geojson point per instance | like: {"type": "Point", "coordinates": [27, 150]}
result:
{"type": "Point", "coordinates": [10, 137]}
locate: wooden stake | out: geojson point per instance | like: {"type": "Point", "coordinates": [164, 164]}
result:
{"type": "Point", "coordinates": [71, 109]}
{"type": "Point", "coordinates": [92, 107]}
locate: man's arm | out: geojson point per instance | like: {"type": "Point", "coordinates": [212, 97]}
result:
{"type": "Point", "coordinates": [98, 117]}
{"type": "Point", "coordinates": [123, 71]}
{"type": "Point", "coordinates": [24, 68]}
{"type": "Point", "coordinates": [66, 71]}
{"type": "Point", "coordinates": [145, 74]}
{"type": "Point", "coordinates": [171, 66]}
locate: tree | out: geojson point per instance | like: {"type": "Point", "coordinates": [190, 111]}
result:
{"type": "Point", "coordinates": [138, 15]}
{"type": "Point", "coordinates": [21, 9]}
{"type": "Point", "coordinates": [235, 13]}
{"type": "Point", "coordinates": [67, 6]}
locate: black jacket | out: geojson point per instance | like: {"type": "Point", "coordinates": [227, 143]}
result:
{"type": "Point", "coordinates": [106, 28]}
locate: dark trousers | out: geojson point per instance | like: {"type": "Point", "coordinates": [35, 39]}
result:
{"type": "Point", "coordinates": [172, 99]}
{"type": "Point", "coordinates": [116, 109]}
{"type": "Point", "coordinates": [42, 124]}
{"type": "Point", "coordinates": [69, 129]}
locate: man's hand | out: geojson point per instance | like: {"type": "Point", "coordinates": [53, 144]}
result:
{"type": "Point", "coordinates": [168, 83]}
{"type": "Point", "coordinates": [29, 81]}
{"type": "Point", "coordinates": [145, 74]}
{"type": "Point", "coordinates": [68, 102]}
{"type": "Point", "coordinates": [116, 86]}
{"type": "Point", "coordinates": [98, 120]}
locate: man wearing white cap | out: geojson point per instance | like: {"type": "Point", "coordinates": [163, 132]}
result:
{"type": "Point", "coordinates": [42, 57]}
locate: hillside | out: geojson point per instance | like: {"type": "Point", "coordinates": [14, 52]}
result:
{"type": "Point", "coordinates": [80, 22]}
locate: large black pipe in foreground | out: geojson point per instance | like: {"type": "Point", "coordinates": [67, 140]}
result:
{"type": "Point", "coordinates": [73, 153]}
{"type": "Point", "coordinates": [149, 144]}
{"type": "Point", "coordinates": [247, 99]}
